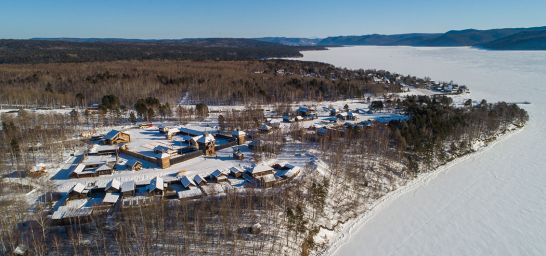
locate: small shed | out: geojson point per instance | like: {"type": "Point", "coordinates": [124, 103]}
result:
{"type": "Point", "coordinates": [78, 191]}
{"type": "Point", "coordinates": [199, 180]}
{"type": "Point", "coordinates": [156, 186]}
{"type": "Point", "coordinates": [128, 188]}
{"type": "Point", "coordinates": [218, 176]}
{"type": "Point", "coordinates": [113, 186]}
{"type": "Point", "coordinates": [186, 182]}
{"type": "Point", "coordinates": [236, 172]}
{"type": "Point", "coordinates": [134, 165]}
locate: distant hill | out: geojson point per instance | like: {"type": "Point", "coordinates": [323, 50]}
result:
{"type": "Point", "coordinates": [528, 40]}
{"type": "Point", "coordinates": [472, 37]}
{"type": "Point", "coordinates": [47, 50]}
{"type": "Point", "coordinates": [292, 41]}
{"type": "Point", "coordinates": [376, 39]}
{"type": "Point", "coordinates": [467, 37]}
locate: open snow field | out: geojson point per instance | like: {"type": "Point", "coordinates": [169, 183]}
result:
{"type": "Point", "coordinates": [489, 203]}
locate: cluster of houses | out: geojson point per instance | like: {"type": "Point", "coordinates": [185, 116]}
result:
{"type": "Point", "coordinates": [104, 158]}
{"type": "Point", "coordinates": [302, 113]}
{"type": "Point", "coordinates": [448, 87]}
{"type": "Point", "coordinates": [83, 200]}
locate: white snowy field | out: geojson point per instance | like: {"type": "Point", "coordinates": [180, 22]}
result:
{"type": "Point", "coordinates": [490, 203]}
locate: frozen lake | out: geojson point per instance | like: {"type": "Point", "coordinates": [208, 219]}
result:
{"type": "Point", "coordinates": [493, 202]}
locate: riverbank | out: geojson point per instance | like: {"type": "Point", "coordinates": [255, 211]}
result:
{"type": "Point", "coordinates": [342, 234]}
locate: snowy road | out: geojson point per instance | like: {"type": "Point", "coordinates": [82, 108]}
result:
{"type": "Point", "coordinates": [493, 202]}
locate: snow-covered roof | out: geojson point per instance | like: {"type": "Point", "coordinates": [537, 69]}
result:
{"type": "Point", "coordinates": [110, 198]}
{"type": "Point", "coordinates": [104, 167]}
{"type": "Point", "coordinates": [69, 212]}
{"type": "Point", "coordinates": [128, 186]}
{"type": "Point", "coordinates": [111, 134]}
{"type": "Point", "coordinates": [235, 170]}
{"type": "Point", "coordinates": [100, 148]}
{"type": "Point", "coordinates": [162, 148]}
{"type": "Point", "coordinates": [189, 193]}
{"type": "Point", "coordinates": [268, 178]}
{"type": "Point", "coordinates": [186, 182]}
{"type": "Point", "coordinates": [213, 189]}
{"type": "Point", "coordinates": [163, 155]}
{"type": "Point", "coordinates": [113, 184]}
{"type": "Point", "coordinates": [260, 168]}
{"type": "Point", "coordinates": [206, 138]}
{"type": "Point", "coordinates": [217, 173]}
{"type": "Point", "coordinates": [156, 183]}
{"type": "Point", "coordinates": [78, 188]}
{"type": "Point", "coordinates": [198, 179]}
{"type": "Point", "coordinates": [173, 130]}
{"type": "Point", "coordinates": [97, 160]}
{"type": "Point", "coordinates": [190, 131]}
{"type": "Point", "coordinates": [132, 162]}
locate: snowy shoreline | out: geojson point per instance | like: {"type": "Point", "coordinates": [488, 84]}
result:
{"type": "Point", "coordinates": [342, 235]}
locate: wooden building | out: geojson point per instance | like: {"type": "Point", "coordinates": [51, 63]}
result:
{"type": "Point", "coordinates": [78, 191]}
{"type": "Point", "coordinates": [218, 176]}
{"type": "Point", "coordinates": [134, 165]}
{"type": "Point", "coordinates": [239, 135]}
{"type": "Point", "coordinates": [156, 186]}
{"type": "Point", "coordinates": [207, 143]}
{"type": "Point", "coordinates": [116, 137]}
{"type": "Point", "coordinates": [113, 186]}
{"type": "Point", "coordinates": [128, 188]}
{"type": "Point", "coordinates": [264, 175]}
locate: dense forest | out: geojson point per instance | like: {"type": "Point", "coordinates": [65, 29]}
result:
{"type": "Point", "coordinates": [54, 51]}
{"type": "Point", "coordinates": [211, 82]}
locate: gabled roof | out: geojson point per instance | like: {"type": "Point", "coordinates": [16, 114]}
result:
{"type": "Point", "coordinates": [261, 168]}
{"type": "Point", "coordinates": [156, 183]}
{"type": "Point", "coordinates": [235, 170]}
{"type": "Point", "coordinates": [186, 182]}
{"type": "Point", "coordinates": [206, 138]}
{"type": "Point", "coordinates": [132, 162]}
{"type": "Point", "coordinates": [114, 183]}
{"type": "Point", "coordinates": [78, 188]}
{"type": "Point", "coordinates": [217, 173]}
{"type": "Point", "coordinates": [198, 179]}
{"type": "Point", "coordinates": [111, 134]}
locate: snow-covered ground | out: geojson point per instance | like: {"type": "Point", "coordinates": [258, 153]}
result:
{"type": "Point", "coordinates": [490, 203]}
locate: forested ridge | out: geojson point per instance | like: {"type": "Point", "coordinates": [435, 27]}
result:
{"type": "Point", "coordinates": [58, 50]}
{"type": "Point", "coordinates": [212, 82]}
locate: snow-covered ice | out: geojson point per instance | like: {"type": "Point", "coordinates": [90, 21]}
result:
{"type": "Point", "coordinates": [490, 203]}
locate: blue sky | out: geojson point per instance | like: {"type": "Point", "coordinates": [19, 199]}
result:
{"type": "Point", "coordinates": [245, 18]}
